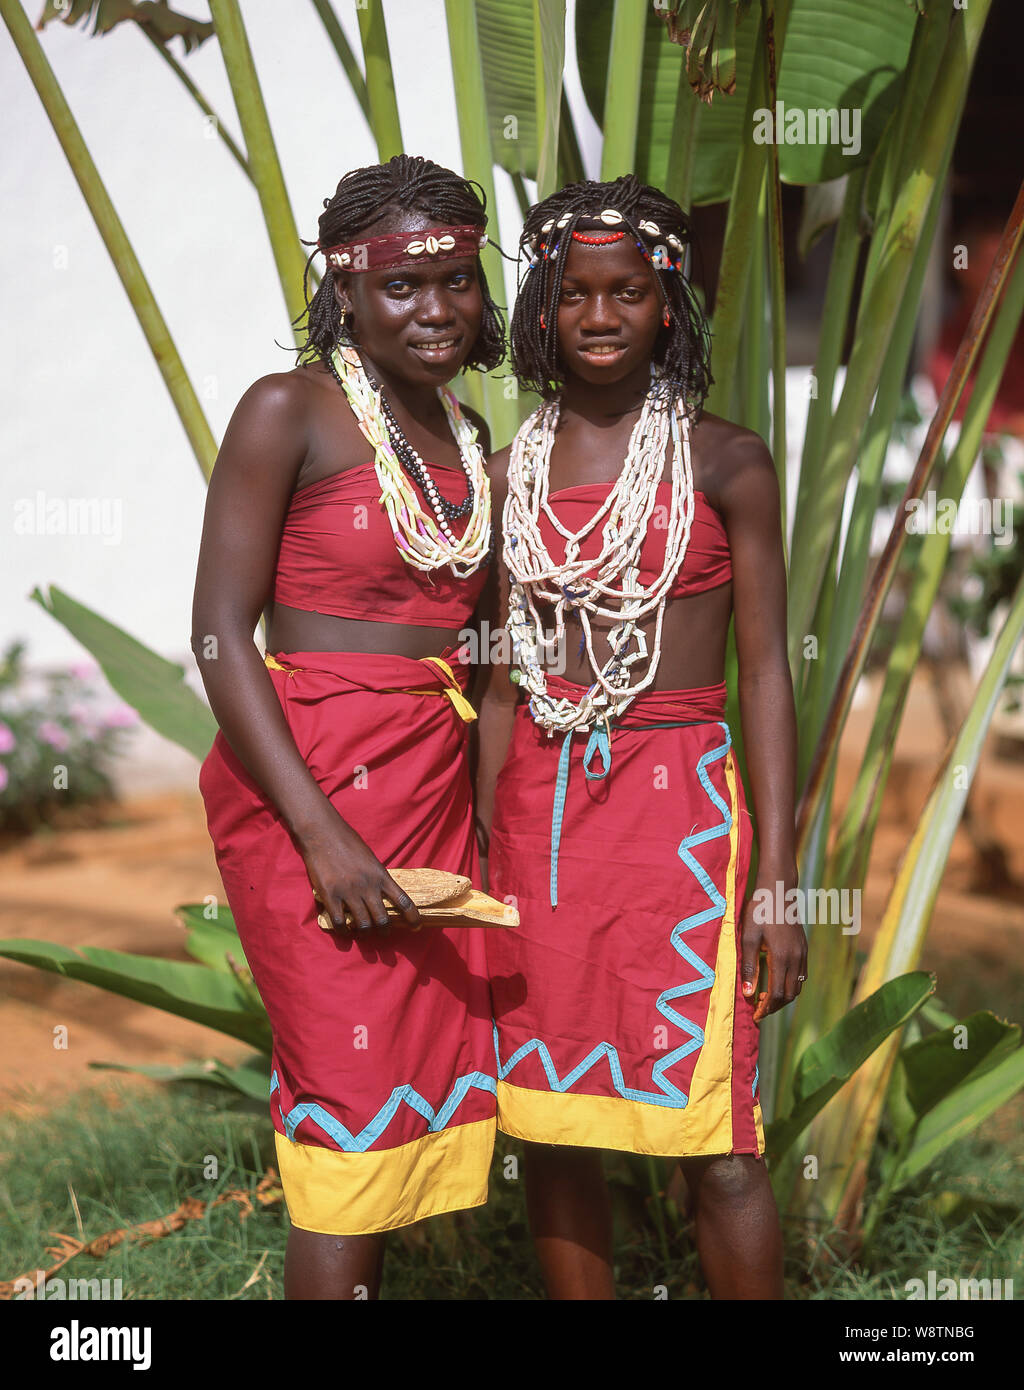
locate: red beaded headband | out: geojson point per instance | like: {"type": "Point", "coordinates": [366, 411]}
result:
{"type": "Point", "coordinates": [405, 248]}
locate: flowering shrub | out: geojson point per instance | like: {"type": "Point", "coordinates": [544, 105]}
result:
{"type": "Point", "coordinates": [55, 743]}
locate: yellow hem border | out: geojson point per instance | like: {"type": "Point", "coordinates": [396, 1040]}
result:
{"type": "Point", "coordinates": [329, 1192]}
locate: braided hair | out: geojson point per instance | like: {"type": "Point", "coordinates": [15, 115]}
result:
{"type": "Point", "coordinates": [660, 229]}
{"type": "Point", "coordinates": [363, 197]}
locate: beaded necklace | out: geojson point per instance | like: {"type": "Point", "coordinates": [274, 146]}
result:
{"type": "Point", "coordinates": [424, 541]}
{"type": "Point", "coordinates": [606, 585]}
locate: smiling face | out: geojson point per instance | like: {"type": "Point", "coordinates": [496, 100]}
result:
{"type": "Point", "coordinates": [417, 322]}
{"type": "Point", "coordinates": [609, 313]}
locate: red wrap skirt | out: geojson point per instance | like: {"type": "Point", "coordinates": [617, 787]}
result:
{"type": "Point", "coordinates": [382, 1088]}
{"type": "Point", "coordinates": [619, 1017]}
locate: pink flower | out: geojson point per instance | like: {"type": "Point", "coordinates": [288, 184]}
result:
{"type": "Point", "coordinates": [53, 734]}
{"type": "Point", "coordinates": [7, 739]}
{"type": "Point", "coordinates": [120, 717]}
{"type": "Point", "coordinates": [83, 670]}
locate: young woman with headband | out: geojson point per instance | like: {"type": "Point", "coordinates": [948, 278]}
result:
{"type": "Point", "coordinates": [350, 504]}
{"type": "Point", "coordinates": [634, 525]}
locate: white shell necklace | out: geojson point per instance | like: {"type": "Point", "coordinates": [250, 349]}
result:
{"type": "Point", "coordinates": [604, 586]}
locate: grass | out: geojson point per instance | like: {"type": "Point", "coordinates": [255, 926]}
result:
{"type": "Point", "coordinates": [106, 1160]}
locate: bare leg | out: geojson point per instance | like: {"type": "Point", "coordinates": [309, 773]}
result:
{"type": "Point", "coordinates": [332, 1267]}
{"type": "Point", "coordinates": [739, 1238]}
{"type": "Point", "coordinates": [571, 1221]}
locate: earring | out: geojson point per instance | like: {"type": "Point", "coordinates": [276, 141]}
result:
{"type": "Point", "coordinates": [542, 323]}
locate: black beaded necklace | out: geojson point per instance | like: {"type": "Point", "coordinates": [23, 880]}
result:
{"type": "Point", "coordinates": [412, 462]}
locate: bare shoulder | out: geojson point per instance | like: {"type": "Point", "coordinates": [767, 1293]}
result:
{"type": "Point", "coordinates": [737, 463]}
{"type": "Point", "coordinates": [279, 395]}
{"type": "Point", "coordinates": [266, 438]}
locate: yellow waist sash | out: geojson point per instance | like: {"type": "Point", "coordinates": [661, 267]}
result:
{"type": "Point", "coordinates": [451, 687]}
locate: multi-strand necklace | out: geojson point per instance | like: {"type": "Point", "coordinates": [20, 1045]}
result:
{"type": "Point", "coordinates": [606, 585]}
{"type": "Point", "coordinates": [424, 539]}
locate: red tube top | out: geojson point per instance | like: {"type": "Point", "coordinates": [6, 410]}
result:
{"type": "Point", "coordinates": [338, 556]}
{"type": "Point", "coordinates": [706, 564]}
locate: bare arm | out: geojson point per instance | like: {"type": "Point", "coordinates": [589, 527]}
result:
{"type": "Point", "coordinates": [750, 504]}
{"type": "Point", "coordinates": [250, 488]}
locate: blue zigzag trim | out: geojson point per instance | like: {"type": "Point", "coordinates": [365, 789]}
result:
{"type": "Point", "coordinates": [359, 1143]}
{"type": "Point", "coordinates": [669, 1094]}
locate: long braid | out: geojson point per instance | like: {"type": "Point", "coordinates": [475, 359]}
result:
{"type": "Point", "coordinates": [406, 183]}
{"type": "Point", "coordinates": [682, 350]}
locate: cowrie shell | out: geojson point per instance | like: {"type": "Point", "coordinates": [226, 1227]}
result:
{"type": "Point", "coordinates": [432, 245]}
{"type": "Point", "coordinates": [610, 217]}
{"type": "Point", "coordinates": [446, 242]}
{"type": "Point", "coordinates": [415, 248]}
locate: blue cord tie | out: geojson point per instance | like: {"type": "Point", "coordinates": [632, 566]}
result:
{"type": "Point", "coordinates": [597, 743]}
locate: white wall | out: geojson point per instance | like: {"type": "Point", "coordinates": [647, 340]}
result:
{"type": "Point", "coordinates": [84, 413]}
{"type": "Point", "coordinates": [83, 410]}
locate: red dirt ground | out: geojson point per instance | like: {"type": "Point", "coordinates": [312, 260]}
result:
{"type": "Point", "coordinates": [116, 886]}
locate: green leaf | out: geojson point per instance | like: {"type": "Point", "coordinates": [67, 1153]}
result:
{"type": "Point", "coordinates": [190, 991]}
{"type": "Point", "coordinates": [936, 1065]}
{"type": "Point", "coordinates": [838, 54]}
{"type": "Point", "coordinates": [842, 55]}
{"type": "Point", "coordinates": [506, 48]}
{"type": "Point", "coordinates": [830, 1061]}
{"type": "Point", "coordinates": [958, 1113]}
{"type": "Point", "coordinates": [250, 1077]}
{"type": "Point", "coordinates": [212, 941]}
{"type": "Point", "coordinates": [152, 686]}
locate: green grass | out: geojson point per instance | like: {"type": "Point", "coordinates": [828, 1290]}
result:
{"type": "Point", "coordinates": [135, 1154]}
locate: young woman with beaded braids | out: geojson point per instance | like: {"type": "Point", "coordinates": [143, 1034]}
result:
{"type": "Point", "coordinates": [343, 750]}
{"type": "Point", "coordinates": [634, 526]}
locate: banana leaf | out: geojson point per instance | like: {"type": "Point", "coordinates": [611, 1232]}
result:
{"type": "Point", "coordinates": [936, 1065]}
{"type": "Point", "coordinates": [838, 54]}
{"type": "Point", "coordinates": [943, 1087]}
{"type": "Point", "coordinates": [190, 991]}
{"type": "Point", "coordinates": [211, 941]}
{"type": "Point", "coordinates": [250, 1077]}
{"type": "Point", "coordinates": [150, 684]}
{"type": "Point", "coordinates": [506, 41]}
{"type": "Point", "coordinates": [958, 1113]}
{"type": "Point", "coordinates": [828, 1064]}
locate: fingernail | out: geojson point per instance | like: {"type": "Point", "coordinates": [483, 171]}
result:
{"type": "Point", "coordinates": [747, 987]}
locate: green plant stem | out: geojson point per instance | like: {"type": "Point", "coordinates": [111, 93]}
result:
{"type": "Point", "coordinates": [886, 566]}
{"type": "Point", "coordinates": [744, 233]}
{"type": "Point", "coordinates": [878, 314]}
{"type": "Point", "coordinates": [380, 80]}
{"type": "Point", "coordinates": [346, 57]}
{"type": "Point", "coordinates": [475, 139]}
{"type": "Point", "coordinates": [108, 224]}
{"type": "Point", "coordinates": [856, 830]}
{"type": "Point", "coordinates": [623, 88]}
{"type": "Point", "coordinates": [197, 96]}
{"type": "Point", "coordinates": [549, 62]}
{"type": "Point", "coordinates": [263, 160]}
